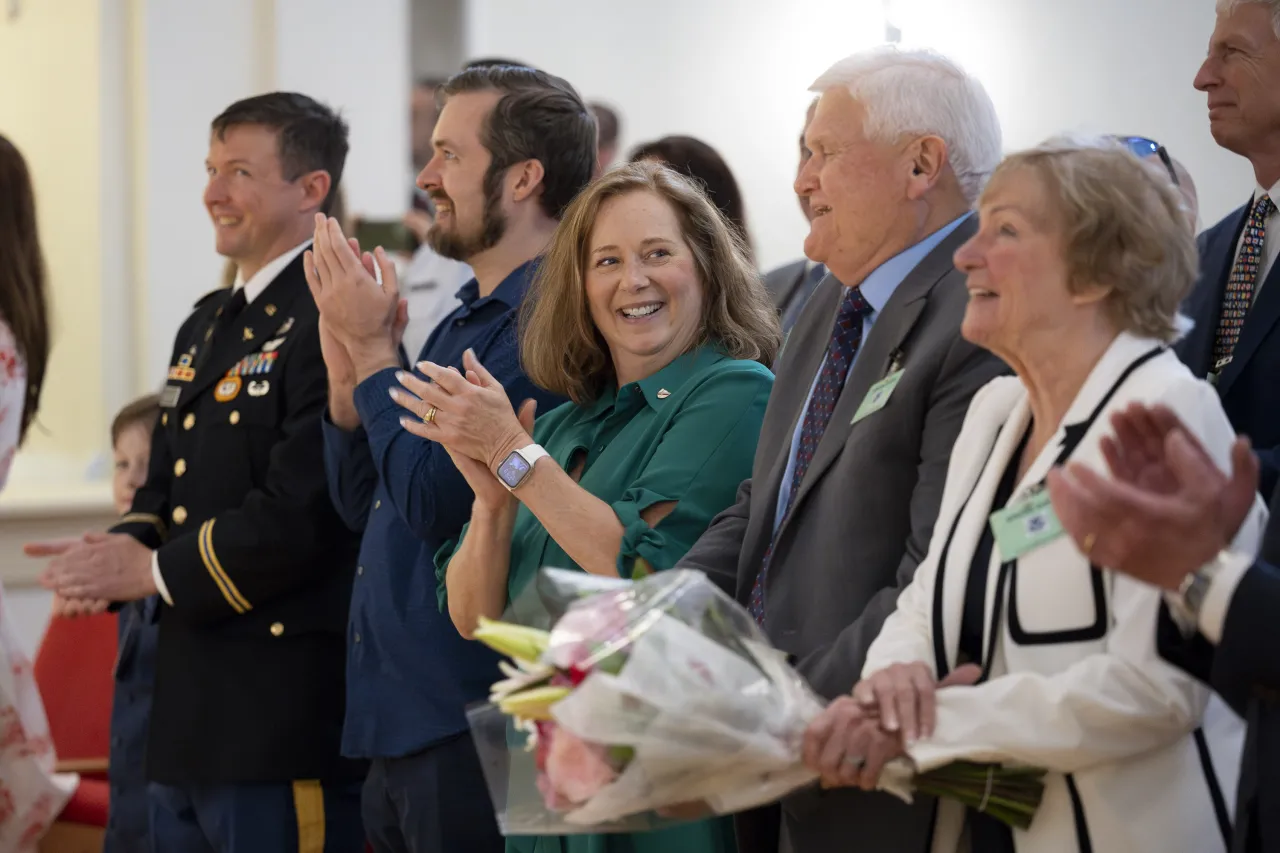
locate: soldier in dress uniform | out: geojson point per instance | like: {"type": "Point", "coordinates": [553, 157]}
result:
{"type": "Point", "coordinates": [234, 528]}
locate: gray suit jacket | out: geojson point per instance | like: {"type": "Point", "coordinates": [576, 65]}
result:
{"type": "Point", "coordinates": [861, 521]}
{"type": "Point", "coordinates": [781, 282]}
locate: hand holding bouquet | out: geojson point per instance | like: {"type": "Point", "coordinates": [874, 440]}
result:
{"type": "Point", "coordinates": [644, 695]}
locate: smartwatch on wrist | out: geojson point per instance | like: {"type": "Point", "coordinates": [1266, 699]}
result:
{"type": "Point", "coordinates": [516, 468]}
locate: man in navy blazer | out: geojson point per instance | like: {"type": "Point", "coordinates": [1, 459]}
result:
{"type": "Point", "coordinates": [1236, 302]}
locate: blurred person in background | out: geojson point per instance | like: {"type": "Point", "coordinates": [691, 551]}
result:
{"type": "Point", "coordinates": [1156, 154]}
{"type": "Point", "coordinates": [31, 792]}
{"type": "Point", "coordinates": [128, 821]}
{"type": "Point", "coordinates": [608, 131]}
{"type": "Point", "coordinates": [695, 159]}
{"type": "Point", "coordinates": [794, 282]}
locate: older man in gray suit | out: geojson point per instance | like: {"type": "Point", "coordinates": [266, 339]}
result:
{"type": "Point", "coordinates": [871, 390]}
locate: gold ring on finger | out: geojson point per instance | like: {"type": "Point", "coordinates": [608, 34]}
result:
{"type": "Point", "coordinates": [1087, 544]}
{"type": "Point", "coordinates": [430, 416]}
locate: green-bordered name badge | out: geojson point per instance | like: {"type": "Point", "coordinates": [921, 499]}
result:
{"type": "Point", "coordinates": [1025, 525]}
{"type": "Point", "coordinates": [877, 396]}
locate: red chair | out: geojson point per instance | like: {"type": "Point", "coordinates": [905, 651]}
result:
{"type": "Point", "coordinates": [73, 669]}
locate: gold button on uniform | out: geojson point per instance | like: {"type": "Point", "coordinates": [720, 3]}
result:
{"type": "Point", "coordinates": [179, 514]}
{"type": "Point", "coordinates": [164, 419]}
{"type": "Point", "coordinates": [276, 629]}
{"type": "Point", "coordinates": [234, 418]}
{"type": "Point", "coordinates": [179, 467]}
{"type": "Point", "coordinates": [189, 421]}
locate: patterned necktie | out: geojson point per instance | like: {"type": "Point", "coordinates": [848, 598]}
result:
{"type": "Point", "coordinates": [846, 336]}
{"type": "Point", "coordinates": [1240, 286]}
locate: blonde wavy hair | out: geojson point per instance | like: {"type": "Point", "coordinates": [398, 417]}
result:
{"type": "Point", "coordinates": [1123, 226]}
{"type": "Point", "coordinates": [560, 347]}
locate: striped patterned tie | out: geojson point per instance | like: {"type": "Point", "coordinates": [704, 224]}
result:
{"type": "Point", "coordinates": [846, 337]}
{"type": "Point", "coordinates": [1241, 284]}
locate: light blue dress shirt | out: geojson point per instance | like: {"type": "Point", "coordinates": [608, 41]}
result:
{"type": "Point", "coordinates": [876, 289]}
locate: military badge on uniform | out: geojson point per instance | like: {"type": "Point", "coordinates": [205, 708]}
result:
{"type": "Point", "coordinates": [258, 389]}
{"type": "Point", "coordinates": [228, 388]}
{"type": "Point", "coordinates": [183, 371]}
{"type": "Point", "coordinates": [272, 345]}
{"type": "Point", "coordinates": [254, 365]}
{"type": "Point", "coordinates": [248, 333]}
{"type": "Point", "coordinates": [169, 396]}
{"type": "Point", "coordinates": [288, 324]}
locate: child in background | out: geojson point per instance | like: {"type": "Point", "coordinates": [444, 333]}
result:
{"type": "Point", "coordinates": [128, 826]}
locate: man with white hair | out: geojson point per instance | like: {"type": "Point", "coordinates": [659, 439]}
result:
{"type": "Point", "coordinates": [871, 391]}
{"type": "Point", "coordinates": [1236, 302]}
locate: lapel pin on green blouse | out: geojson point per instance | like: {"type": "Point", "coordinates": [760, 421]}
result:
{"type": "Point", "coordinates": [663, 393]}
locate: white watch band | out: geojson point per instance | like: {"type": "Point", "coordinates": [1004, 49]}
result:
{"type": "Point", "coordinates": [532, 453]}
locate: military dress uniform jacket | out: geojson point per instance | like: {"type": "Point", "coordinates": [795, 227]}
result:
{"type": "Point", "coordinates": [250, 665]}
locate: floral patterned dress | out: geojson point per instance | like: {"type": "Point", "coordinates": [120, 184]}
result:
{"type": "Point", "coordinates": [31, 793]}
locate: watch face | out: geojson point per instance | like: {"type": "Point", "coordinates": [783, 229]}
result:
{"type": "Point", "coordinates": [513, 470]}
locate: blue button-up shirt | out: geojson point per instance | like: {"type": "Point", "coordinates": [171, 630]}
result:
{"type": "Point", "coordinates": [410, 675]}
{"type": "Point", "coordinates": [876, 289]}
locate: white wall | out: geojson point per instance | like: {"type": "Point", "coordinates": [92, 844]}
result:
{"type": "Point", "coordinates": [735, 73]}
{"type": "Point", "coordinates": [58, 126]}
{"type": "Point", "coordinates": [198, 59]}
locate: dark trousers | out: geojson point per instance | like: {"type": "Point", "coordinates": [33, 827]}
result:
{"type": "Point", "coordinates": [129, 820]}
{"type": "Point", "coordinates": [306, 817]}
{"type": "Point", "coordinates": [434, 801]}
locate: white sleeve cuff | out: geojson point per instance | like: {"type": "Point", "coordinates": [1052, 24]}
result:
{"type": "Point", "coordinates": [1213, 612]}
{"type": "Point", "coordinates": [159, 578]}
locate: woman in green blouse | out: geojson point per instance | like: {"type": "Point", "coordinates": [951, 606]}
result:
{"type": "Point", "coordinates": [648, 316]}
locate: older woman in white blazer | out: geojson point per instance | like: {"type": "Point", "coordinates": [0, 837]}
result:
{"type": "Point", "coordinates": [1074, 278]}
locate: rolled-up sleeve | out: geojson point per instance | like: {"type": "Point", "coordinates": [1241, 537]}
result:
{"type": "Point", "coordinates": [704, 454]}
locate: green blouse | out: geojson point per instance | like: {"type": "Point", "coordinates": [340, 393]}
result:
{"type": "Point", "coordinates": [688, 434]}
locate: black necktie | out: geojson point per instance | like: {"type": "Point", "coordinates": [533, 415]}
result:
{"type": "Point", "coordinates": [226, 315]}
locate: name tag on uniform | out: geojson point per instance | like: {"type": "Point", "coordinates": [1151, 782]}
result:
{"type": "Point", "coordinates": [877, 396]}
{"type": "Point", "coordinates": [1025, 525]}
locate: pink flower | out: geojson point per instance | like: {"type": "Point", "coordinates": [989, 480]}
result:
{"type": "Point", "coordinates": [575, 770]}
{"type": "Point", "coordinates": [591, 630]}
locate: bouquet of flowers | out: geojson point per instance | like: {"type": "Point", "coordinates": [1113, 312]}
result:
{"type": "Point", "coordinates": [623, 698]}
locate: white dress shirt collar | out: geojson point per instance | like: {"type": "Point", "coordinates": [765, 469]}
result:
{"type": "Point", "coordinates": [263, 277]}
